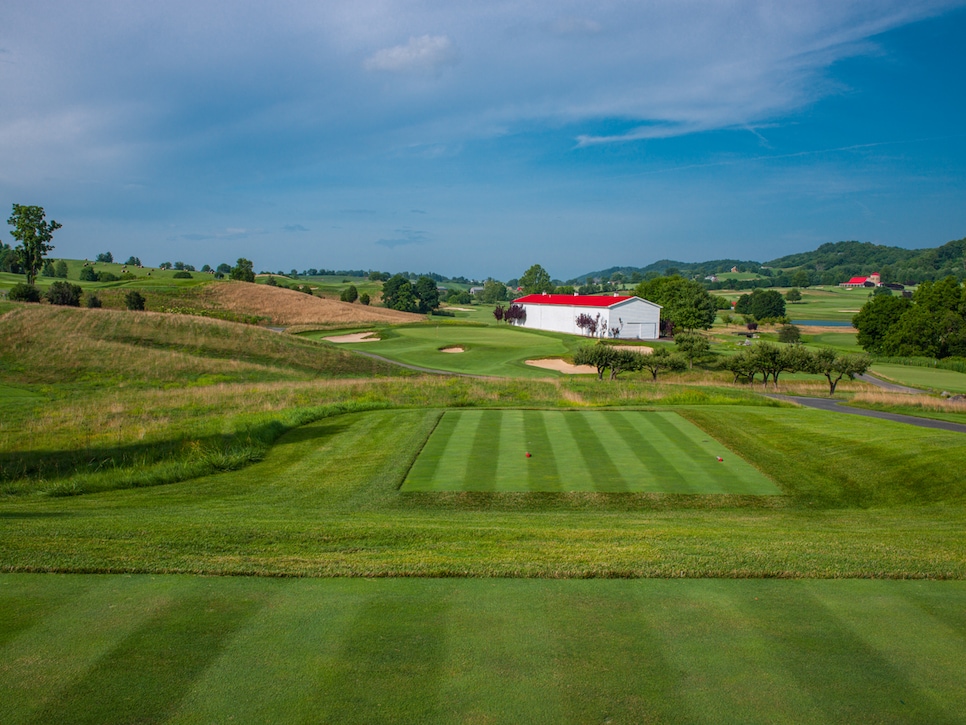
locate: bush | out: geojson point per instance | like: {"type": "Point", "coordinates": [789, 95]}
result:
{"type": "Point", "coordinates": [134, 300]}
{"type": "Point", "coordinates": [87, 274]}
{"type": "Point", "coordinates": [181, 274]}
{"type": "Point", "coordinates": [107, 277]}
{"type": "Point", "coordinates": [349, 294]}
{"type": "Point", "coordinates": [789, 333]}
{"type": "Point", "coordinates": [364, 298]}
{"type": "Point", "coordinates": [21, 292]}
{"type": "Point", "coordinates": [94, 302]}
{"type": "Point", "coordinates": [64, 293]}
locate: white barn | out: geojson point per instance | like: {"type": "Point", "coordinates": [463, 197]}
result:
{"type": "Point", "coordinates": [633, 317]}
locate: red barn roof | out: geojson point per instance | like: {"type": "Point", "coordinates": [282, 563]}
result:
{"type": "Point", "coordinates": [857, 280]}
{"type": "Point", "coordinates": [574, 300]}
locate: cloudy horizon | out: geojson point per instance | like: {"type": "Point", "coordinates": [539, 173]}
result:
{"type": "Point", "coordinates": [477, 139]}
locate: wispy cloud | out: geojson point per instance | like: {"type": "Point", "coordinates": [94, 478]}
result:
{"type": "Point", "coordinates": [425, 53]}
{"type": "Point", "coordinates": [295, 228]}
{"type": "Point", "coordinates": [404, 238]}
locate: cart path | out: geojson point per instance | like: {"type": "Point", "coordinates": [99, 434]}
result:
{"type": "Point", "coordinates": [836, 406]}
{"type": "Point", "coordinates": [885, 385]}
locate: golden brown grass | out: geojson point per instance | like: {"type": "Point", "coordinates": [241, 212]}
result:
{"type": "Point", "coordinates": [285, 307]}
{"type": "Point", "coordinates": [924, 402]}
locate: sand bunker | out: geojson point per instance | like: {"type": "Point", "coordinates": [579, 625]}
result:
{"type": "Point", "coordinates": [562, 366]}
{"type": "Point", "coordinates": [460, 309]}
{"type": "Point", "coordinates": [453, 349]}
{"type": "Point", "coordinates": [641, 349]}
{"type": "Point", "coordinates": [355, 337]}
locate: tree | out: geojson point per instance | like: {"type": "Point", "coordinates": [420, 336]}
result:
{"type": "Point", "coordinates": [536, 280]}
{"type": "Point", "coordinates": [834, 366]}
{"type": "Point", "coordinates": [64, 293]}
{"type": "Point", "coordinates": [661, 359]}
{"type": "Point", "coordinates": [397, 294]}
{"type": "Point", "coordinates": [21, 292]}
{"type": "Point", "coordinates": [598, 356]}
{"type": "Point", "coordinates": [364, 298]}
{"type": "Point", "coordinates": [876, 318]}
{"type": "Point", "coordinates": [349, 294]}
{"type": "Point", "coordinates": [223, 268]}
{"type": "Point", "coordinates": [514, 314]}
{"type": "Point", "coordinates": [134, 300]}
{"type": "Point", "coordinates": [794, 295]}
{"type": "Point", "coordinates": [93, 301]}
{"type": "Point", "coordinates": [60, 269]}
{"type": "Point", "coordinates": [34, 235]}
{"type": "Point", "coordinates": [692, 347]}
{"type": "Point", "coordinates": [624, 360]}
{"type": "Point", "coordinates": [243, 270]}
{"type": "Point", "coordinates": [762, 304]}
{"type": "Point", "coordinates": [587, 323]}
{"type": "Point", "coordinates": [493, 291]}
{"type": "Point", "coordinates": [133, 261]}
{"type": "Point", "coordinates": [427, 294]}
{"type": "Point", "coordinates": [105, 257]}
{"type": "Point", "coordinates": [685, 303]}
{"type": "Point", "coordinates": [789, 334]}
{"type": "Point", "coordinates": [498, 312]}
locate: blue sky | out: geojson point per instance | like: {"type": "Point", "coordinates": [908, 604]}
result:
{"type": "Point", "coordinates": [479, 138]}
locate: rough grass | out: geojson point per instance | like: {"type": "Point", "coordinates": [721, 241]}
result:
{"type": "Point", "coordinates": [287, 307]}
{"type": "Point", "coordinates": [50, 345]}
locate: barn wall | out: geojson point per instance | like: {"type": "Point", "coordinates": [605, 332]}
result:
{"type": "Point", "coordinates": [641, 320]}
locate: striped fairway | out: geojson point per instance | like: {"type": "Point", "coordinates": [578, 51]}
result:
{"type": "Point", "coordinates": [602, 451]}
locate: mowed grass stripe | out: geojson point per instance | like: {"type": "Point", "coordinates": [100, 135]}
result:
{"type": "Point", "coordinates": [656, 473]}
{"type": "Point", "coordinates": [732, 475]}
{"type": "Point", "coordinates": [485, 451]}
{"type": "Point", "coordinates": [542, 471]}
{"type": "Point", "coordinates": [601, 451]}
{"type": "Point", "coordinates": [433, 464]}
{"type": "Point", "coordinates": [575, 475]}
{"type": "Point", "coordinates": [606, 475]}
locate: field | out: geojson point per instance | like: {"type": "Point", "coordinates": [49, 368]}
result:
{"type": "Point", "coordinates": [578, 451]}
{"type": "Point", "coordinates": [206, 521]}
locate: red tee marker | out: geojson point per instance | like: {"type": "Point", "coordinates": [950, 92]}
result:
{"type": "Point", "coordinates": [720, 459]}
{"type": "Point", "coordinates": [528, 454]}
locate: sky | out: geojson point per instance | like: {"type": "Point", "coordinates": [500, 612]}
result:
{"type": "Point", "coordinates": [477, 139]}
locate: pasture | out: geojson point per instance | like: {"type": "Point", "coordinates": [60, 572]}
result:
{"type": "Point", "coordinates": [613, 451]}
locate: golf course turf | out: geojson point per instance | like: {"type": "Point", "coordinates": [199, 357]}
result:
{"type": "Point", "coordinates": [604, 451]}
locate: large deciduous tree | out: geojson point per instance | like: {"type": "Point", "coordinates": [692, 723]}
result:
{"type": "Point", "coordinates": [34, 234]}
{"type": "Point", "coordinates": [536, 280]}
{"type": "Point", "coordinates": [685, 303]}
{"type": "Point", "coordinates": [243, 270]}
{"type": "Point", "coordinates": [427, 294]}
{"type": "Point", "coordinates": [762, 304]}
{"type": "Point", "coordinates": [834, 366]}
{"type": "Point", "coordinates": [398, 294]}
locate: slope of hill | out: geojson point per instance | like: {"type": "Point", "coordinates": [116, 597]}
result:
{"type": "Point", "coordinates": [49, 345]}
{"type": "Point", "coordinates": [287, 307]}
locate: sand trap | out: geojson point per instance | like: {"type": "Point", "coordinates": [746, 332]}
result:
{"type": "Point", "coordinates": [818, 329]}
{"type": "Point", "coordinates": [452, 349]}
{"type": "Point", "coordinates": [355, 337]}
{"type": "Point", "coordinates": [641, 349]}
{"type": "Point", "coordinates": [562, 367]}
{"type": "Point", "coordinates": [460, 309]}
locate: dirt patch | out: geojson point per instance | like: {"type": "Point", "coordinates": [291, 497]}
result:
{"type": "Point", "coordinates": [287, 307]}
{"type": "Point", "coordinates": [819, 330]}
{"type": "Point", "coordinates": [561, 366]}
{"type": "Point", "coordinates": [355, 337]}
{"type": "Point", "coordinates": [454, 349]}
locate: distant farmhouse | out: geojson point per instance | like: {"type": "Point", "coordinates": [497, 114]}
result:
{"type": "Point", "coordinates": [617, 315]}
{"type": "Point", "coordinates": [872, 280]}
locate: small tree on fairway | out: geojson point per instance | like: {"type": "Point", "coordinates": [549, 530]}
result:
{"type": "Point", "coordinates": [692, 347]}
{"type": "Point", "coordinates": [64, 293]}
{"type": "Point", "coordinates": [134, 300]}
{"type": "Point", "coordinates": [598, 356]}
{"type": "Point", "coordinates": [661, 359]}
{"type": "Point", "coordinates": [60, 269]}
{"type": "Point", "coordinates": [34, 235]}
{"type": "Point", "coordinates": [789, 333]}
{"type": "Point", "coordinates": [793, 295]}
{"type": "Point", "coordinates": [624, 360]}
{"type": "Point", "coordinates": [834, 366]}
{"type": "Point", "coordinates": [498, 312]}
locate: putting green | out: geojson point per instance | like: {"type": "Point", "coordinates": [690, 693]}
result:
{"type": "Point", "coordinates": [603, 451]}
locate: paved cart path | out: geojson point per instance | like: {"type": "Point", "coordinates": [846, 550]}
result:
{"type": "Point", "coordinates": [837, 407]}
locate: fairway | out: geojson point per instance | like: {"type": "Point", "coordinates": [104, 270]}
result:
{"type": "Point", "coordinates": [601, 451]}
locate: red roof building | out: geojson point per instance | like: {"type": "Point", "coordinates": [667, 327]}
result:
{"type": "Point", "coordinates": [615, 315]}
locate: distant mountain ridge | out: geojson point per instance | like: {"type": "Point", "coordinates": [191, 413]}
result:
{"type": "Point", "coordinates": [830, 263]}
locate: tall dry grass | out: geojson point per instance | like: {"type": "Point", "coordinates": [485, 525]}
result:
{"type": "Point", "coordinates": [886, 399]}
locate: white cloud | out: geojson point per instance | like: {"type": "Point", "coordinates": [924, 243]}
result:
{"type": "Point", "coordinates": [425, 53]}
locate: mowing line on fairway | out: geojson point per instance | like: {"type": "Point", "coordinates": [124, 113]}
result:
{"type": "Point", "coordinates": [542, 472]}
{"type": "Point", "coordinates": [574, 472]}
{"type": "Point", "coordinates": [511, 468]}
{"type": "Point", "coordinates": [661, 474]}
{"type": "Point", "coordinates": [485, 451]}
{"type": "Point", "coordinates": [433, 463]}
{"type": "Point", "coordinates": [608, 477]}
